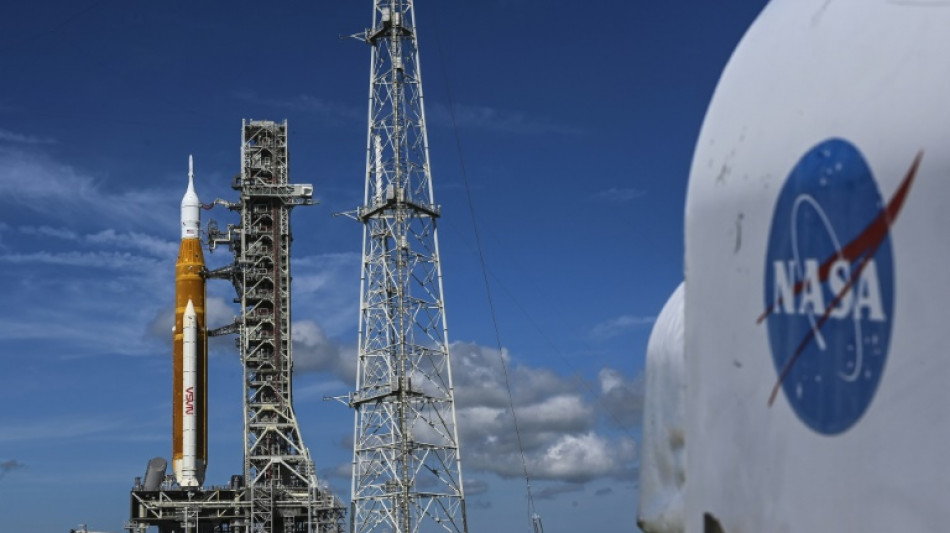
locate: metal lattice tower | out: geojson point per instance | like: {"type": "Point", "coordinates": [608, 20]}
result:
{"type": "Point", "coordinates": [406, 469]}
{"type": "Point", "coordinates": [282, 488]}
{"type": "Point", "coordinates": [278, 492]}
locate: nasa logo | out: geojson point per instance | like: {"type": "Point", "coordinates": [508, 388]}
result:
{"type": "Point", "coordinates": [829, 285]}
{"type": "Point", "coordinates": [190, 401]}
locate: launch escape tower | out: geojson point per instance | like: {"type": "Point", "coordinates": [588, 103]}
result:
{"type": "Point", "coordinates": [279, 491]}
{"type": "Point", "coordinates": [407, 474]}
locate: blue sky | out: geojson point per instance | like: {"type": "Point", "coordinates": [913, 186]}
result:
{"type": "Point", "coordinates": [576, 122]}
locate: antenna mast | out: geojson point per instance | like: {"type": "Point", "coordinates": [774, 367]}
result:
{"type": "Point", "coordinates": [407, 475]}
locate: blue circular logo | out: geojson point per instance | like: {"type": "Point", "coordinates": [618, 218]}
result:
{"type": "Point", "coordinates": [829, 286]}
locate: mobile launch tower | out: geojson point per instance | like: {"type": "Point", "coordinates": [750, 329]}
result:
{"type": "Point", "coordinates": [278, 491]}
{"type": "Point", "coordinates": [282, 489]}
{"type": "Point", "coordinates": [407, 475]}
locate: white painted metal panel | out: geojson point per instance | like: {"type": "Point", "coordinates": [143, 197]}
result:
{"type": "Point", "coordinates": [815, 253]}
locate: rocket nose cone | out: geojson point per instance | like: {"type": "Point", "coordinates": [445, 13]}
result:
{"type": "Point", "coordinates": [190, 207]}
{"type": "Point", "coordinates": [191, 197]}
{"type": "Point", "coordinates": [190, 315]}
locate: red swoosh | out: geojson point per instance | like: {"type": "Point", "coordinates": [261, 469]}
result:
{"type": "Point", "coordinates": [865, 245]}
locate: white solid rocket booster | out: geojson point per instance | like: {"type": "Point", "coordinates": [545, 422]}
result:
{"type": "Point", "coordinates": [189, 376]}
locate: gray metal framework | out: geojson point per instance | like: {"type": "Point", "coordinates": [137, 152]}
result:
{"type": "Point", "coordinates": [281, 481]}
{"type": "Point", "coordinates": [407, 474]}
{"type": "Point", "coordinates": [279, 491]}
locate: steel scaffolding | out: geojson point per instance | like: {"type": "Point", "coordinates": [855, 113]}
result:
{"type": "Point", "coordinates": [279, 491]}
{"type": "Point", "coordinates": [282, 486]}
{"type": "Point", "coordinates": [406, 470]}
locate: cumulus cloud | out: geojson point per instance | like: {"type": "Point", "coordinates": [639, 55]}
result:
{"type": "Point", "coordinates": [315, 352]}
{"type": "Point", "coordinates": [218, 313]}
{"type": "Point", "coordinates": [558, 420]}
{"type": "Point", "coordinates": [568, 429]}
{"type": "Point", "coordinates": [582, 458]}
{"type": "Point", "coordinates": [621, 398]}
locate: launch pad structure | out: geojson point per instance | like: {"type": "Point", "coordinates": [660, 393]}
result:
{"type": "Point", "coordinates": [278, 491]}
{"type": "Point", "coordinates": [407, 475]}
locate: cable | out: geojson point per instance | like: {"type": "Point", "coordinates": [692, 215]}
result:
{"type": "Point", "coordinates": [535, 517]}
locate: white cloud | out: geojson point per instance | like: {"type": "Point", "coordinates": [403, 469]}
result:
{"type": "Point", "coordinates": [491, 119]}
{"type": "Point", "coordinates": [47, 231]}
{"type": "Point", "coordinates": [585, 457]}
{"type": "Point", "coordinates": [218, 313]}
{"type": "Point", "coordinates": [63, 427]}
{"type": "Point", "coordinates": [325, 289]}
{"type": "Point", "coordinates": [557, 417]}
{"type": "Point", "coordinates": [619, 325]}
{"type": "Point", "coordinates": [38, 183]}
{"type": "Point", "coordinates": [99, 260]}
{"type": "Point", "coordinates": [618, 196]}
{"type": "Point", "coordinates": [315, 352]}
{"type": "Point", "coordinates": [13, 137]}
{"type": "Point", "coordinates": [621, 398]}
{"type": "Point", "coordinates": [142, 242]}
{"type": "Point", "coordinates": [310, 104]}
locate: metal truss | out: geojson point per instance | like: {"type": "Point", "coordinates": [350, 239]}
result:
{"type": "Point", "coordinates": [281, 482]}
{"type": "Point", "coordinates": [212, 510]}
{"type": "Point", "coordinates": [407, 476]}
{"type": "Point", "coordinates": [279, 491]}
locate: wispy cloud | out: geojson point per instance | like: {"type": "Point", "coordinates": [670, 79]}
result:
{"type": "Point", "coordinates": [61, 428]}
{"type": "Point", "coordinates": [76, 286]}
{"type": "Point", "coordinates": [109, 260]}
{"type": "Point", "coordinates": [107, 238]}
{"type": "Point", "coordinates": [9, 466]}
{"type": "Point", "coordinates": [553, 491]}
{"type": "Point", "coordinates": [35, 181]}
{"type": "Point", "coordinates": [618, 196]}
{"type": "Point", "coordinates": [20, 138]}
{"type": "Point", "coordinates": [498, 120]}
{"type": "Point", "coordinates": [308, 104]}
{"type": "Point", "coordinates": [619, 325]}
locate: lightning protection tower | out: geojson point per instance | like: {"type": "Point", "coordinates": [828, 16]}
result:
{"type": "Point", "coordinates": [407, 474]}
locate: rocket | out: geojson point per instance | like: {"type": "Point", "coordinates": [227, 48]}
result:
{"type": "Point", "coordinates": [188, 473]}
{"type": "Point", "coordinates": [190, 349]}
